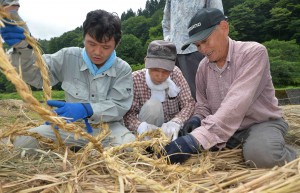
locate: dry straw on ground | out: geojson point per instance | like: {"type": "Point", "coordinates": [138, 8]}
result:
{"type": "Point", "coordinates": [125, 168]}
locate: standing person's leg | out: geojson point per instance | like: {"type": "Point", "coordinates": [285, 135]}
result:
{"type": "Point", "coordinates": [152, 113]}
{"type": "Point", "coordinates": [265, 146]}
{"type": "Point", "coordinates": [188, 64]}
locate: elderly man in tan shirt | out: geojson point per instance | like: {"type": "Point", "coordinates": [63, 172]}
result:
{"type": "Point", "coordinates": [236, 103]}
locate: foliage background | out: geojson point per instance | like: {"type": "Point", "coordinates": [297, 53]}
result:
{"type": "Point", "coordinates": [274, 23]}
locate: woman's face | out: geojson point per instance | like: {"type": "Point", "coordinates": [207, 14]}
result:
{"type": "Point", "coordinates": [158, 75]}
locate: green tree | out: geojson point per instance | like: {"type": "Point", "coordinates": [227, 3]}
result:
{"type": "Point", "coordinates": [242, 18]}
{"type": "Point", "coordinates": [232, 32]}
{"type": "Point", "coordinates": [131, 50]}
{"type": "Point", "coordinates": [68, 39]}
{"type": "Point", "coordinates": [155, 32]}
{"type": "Point", "coordinates": [151, 7]}
{"type": "Point", "coordinates": [285, 62]}
{"type": "Point", "coordinates": [228, 4]}
{"type": "Point", "coordinates": [279, 22]}
{"type": "Point", "coordinates": [127, 15]}
{"type": "Point", "coordinates": [137, 26]}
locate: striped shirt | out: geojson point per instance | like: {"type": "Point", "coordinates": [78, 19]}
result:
{"type": "Point", "coordinates": [235, 97]}
{"type": "Point", "coordinates": [177, 109]}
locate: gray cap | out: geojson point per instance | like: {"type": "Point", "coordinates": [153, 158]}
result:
{"type": "Point", "coordinates": [203, 24]}
{"type": "Point", "coordinates": [161, 54]}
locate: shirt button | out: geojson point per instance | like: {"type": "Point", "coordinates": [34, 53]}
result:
{"type": "Point", "coordinates": [93, 95]}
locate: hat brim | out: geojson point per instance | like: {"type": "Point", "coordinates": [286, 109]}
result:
{"type": "Point", "coordinates": [160, 63]}
{"type": "Point", "coordinates": [202, 35]}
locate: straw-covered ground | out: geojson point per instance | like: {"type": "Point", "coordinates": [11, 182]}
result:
{"type": "Point", "coordinates": [94, 169]}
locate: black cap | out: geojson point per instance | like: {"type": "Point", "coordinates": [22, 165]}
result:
{"type": "Point", "coordinates": [202, 24]}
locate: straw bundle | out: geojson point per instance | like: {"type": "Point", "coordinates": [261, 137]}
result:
{"type": "Point", "coordinates": [125, 168]}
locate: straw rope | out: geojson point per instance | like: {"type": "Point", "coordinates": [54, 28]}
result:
{"type": "Point", "coordinates": [33, 104]}
{"type": "Point", "coordinates": [39, 61]}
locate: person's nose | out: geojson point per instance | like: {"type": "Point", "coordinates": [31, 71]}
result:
{"type": "Point", "coordinates": [160, 76]}
{"type": "Point", "coordinates": [99, 51]}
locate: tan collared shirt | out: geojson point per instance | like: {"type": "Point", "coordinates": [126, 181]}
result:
{"type": "Point", "coordinates": [235, 97]}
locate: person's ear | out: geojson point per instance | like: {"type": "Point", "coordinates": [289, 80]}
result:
{"type": "Point", "coordinates": [224, 26]}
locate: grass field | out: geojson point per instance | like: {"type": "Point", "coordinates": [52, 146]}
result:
{"type": "Point", "coordinates": [57, 95]}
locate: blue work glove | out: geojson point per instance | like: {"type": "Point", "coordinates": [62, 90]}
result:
{"type": "Point", "coordinates": [75, 111]}
{"type": "Point", "coordinates": [12, 34]}
{"type": "Point", "coordinates": [181, 149]}
{"type": "Point", "coordinates": [189, 126]}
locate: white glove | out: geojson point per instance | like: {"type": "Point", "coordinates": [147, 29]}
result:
{"type": "Point", "coordinates": [171, 129]}
{"type": "Point", "coordinates": [144, 127]}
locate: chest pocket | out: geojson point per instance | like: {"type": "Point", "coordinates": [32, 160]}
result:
{"type": "Point", "coordinates": [77, 91]}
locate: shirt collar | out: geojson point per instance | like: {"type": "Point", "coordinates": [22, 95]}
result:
{"type": "Point", "coordinates": [110, 72]}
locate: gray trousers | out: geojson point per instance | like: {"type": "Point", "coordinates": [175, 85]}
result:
{"type": "Point", "coordinates": [263, 144]}
{"type": "Point", "coordinates": [119, 135]}
{"type": "Point", "coordinates": [188, 64]}
{"type": "Point", "coordinates": [152, 113]}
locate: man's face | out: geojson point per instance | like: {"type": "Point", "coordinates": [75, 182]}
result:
{"type": "Point", "coordinates": [158, 75]}
{"type": "Point", "coordinates": [98, 52]}
{"type": "Point", "coordinates": [215, 47]}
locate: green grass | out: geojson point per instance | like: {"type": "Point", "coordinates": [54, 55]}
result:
{"type": "Point", "coordinates": [57, 95]}
{"type": "Point", "coordinates": [287, 88]}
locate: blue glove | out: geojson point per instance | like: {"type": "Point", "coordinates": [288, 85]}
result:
{"type": "Point", "coordinates": [189, 126]}
{"type": "Point", "coordinates": [75, 111]}
{"type": "Point", "coordinates": [12, 34]}
{"type": "Point", "coordinates": [181, 149]}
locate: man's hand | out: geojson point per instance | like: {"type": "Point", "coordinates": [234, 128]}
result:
{"type": "Point", "coordinates": [74, 111]}
{"type": "Point", "coordinates": [171, 129]}
{"type": "Point", "coordinates": [13, 35]}
{"type": "Point", "coordinates": [180, 150]}
{"type": "Point", "coordinates": [190, 125]}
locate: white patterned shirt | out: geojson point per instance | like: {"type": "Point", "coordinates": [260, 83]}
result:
{"type": "Point", "coordinates": [177, 15]}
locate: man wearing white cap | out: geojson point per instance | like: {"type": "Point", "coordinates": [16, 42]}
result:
{"type": "Point", "coordinates": [236, 103]}
{"type": "Point", "coordinates": [162, 97]}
